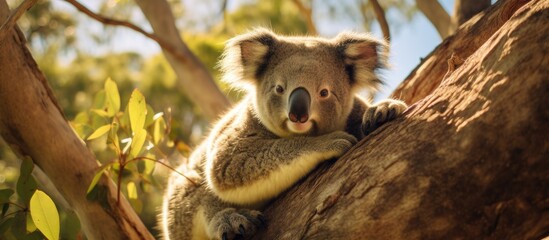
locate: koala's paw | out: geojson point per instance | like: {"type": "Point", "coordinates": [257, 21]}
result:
{"type": "Point", "coordinates": [339, 141]}
{"type": "Point", "coordinates": [231, 223]}
{"type": "Point", "coordinates": [381, 113]}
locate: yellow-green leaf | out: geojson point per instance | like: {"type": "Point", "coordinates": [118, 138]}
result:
{"type": "Point", "coordinates": [137, 142]}
{"type": "Point", "coordinates": [132, 190]}
{"type": "Point", "coordinates": [149, 118]}
{"type": "Point", "coordinates": [81, 117]}
{"type": "Point", "coordinates": [44, 215]}
{"type": "Point", "coordinates": [137, 108]}
{"type": "Point", "coordinates": [158, 130]}
{"type": "Point", "coordinates": [100, 132]}
{"type": "Point", "coordinates": [112, 100]}
{"type": "Point", "coordinates": [96, 177]}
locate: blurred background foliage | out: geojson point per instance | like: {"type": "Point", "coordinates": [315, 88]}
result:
{"type": "Point", "coordinates": [77, 54]}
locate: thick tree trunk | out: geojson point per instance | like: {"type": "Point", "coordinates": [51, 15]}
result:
{"type": "Point", "coordinates": [469, 160]}
{"type": "Point", "coordinates": [32, 123]}
{"type": "Point", "coordinates": [193, 78]}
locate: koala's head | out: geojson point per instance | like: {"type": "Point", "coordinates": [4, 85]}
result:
{"type": "Point", "coordinates": [302, 85]}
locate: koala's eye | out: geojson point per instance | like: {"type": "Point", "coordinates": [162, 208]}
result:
{"type": "Point", "coordinates": [324, 93]}
{"type": "Point", "coordinates": [279, 89]}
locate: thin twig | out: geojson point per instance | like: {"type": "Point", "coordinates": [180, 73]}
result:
{"type": "Point", "coordinates": [110, 21]}
{"type": "Point", "coordinates": [163, 164]}
{"type": "Point", "coordinates": [380, 15]}
{"type": "Point", "coordinates": [7, 26]}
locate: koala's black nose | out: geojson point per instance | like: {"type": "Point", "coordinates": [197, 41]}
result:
{"type": "Point", "coordinates": [299, 103]}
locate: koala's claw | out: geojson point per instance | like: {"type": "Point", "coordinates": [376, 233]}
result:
{"type": "Point", "coordinates": [381, 113]}
{"type": "Point", "coordinates": [232, 223]}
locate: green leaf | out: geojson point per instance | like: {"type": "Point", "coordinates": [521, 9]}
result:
{"type": "Point", "coordinates": [100, 112]}
{"type": "Point", "coordinates": [158, 130]}
{"type": "Point", "coordinates": [132, 190]}
{"type": "Point", "coordinates": [113, 97]}
{"type": "Point", "coordinates": [100, 132]}
{"type": "Point", "coordinates": [5, 195]}
{"type": "Point", "coordinates": [26, 185]}
{"type": "Point", "coordinates": [137, 108]}
{"type": "Point", "coordinates": [44, 215]}
{"type": "Point", "coordinates": [96, 177]}
{"type": "Point", "coordinates": [149, 119]}
{"type": "Point", "coordinates": [138, 140]}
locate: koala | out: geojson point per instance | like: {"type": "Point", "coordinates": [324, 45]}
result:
{"type": "Point", "coordinates": [301, 108]}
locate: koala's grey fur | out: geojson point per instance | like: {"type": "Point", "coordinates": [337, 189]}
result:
{"type": "Point", "coordinates": [255, 152]}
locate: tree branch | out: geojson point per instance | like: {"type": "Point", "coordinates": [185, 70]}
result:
{"type": "Point", "coordinates": [193, 77]}
{"type": "Point", "coordinates": [14, 16]}
{"type": "Point", "coordinates": [196, 81]}
{"type": "Point", "coordinates": [110, 21]}
{"type": "Point", "coordinates": [380, 15]}
{"type": "Point", "coordinates": [308, 15]}
{"type": "Point", "coordinates": [437, 16]}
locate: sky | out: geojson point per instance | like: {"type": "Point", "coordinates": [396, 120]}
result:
{"type": "Point", "coordinates": [413, 40]}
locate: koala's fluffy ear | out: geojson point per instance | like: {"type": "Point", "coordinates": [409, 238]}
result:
{"type": "Point", "coordinates": [246, 56]}
{"type": "Point", "coordinates": [362, 55]}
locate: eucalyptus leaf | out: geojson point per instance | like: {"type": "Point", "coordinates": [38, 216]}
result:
{"type": "Point", "coordinates": [96, 177]}
{"type": "Point", "coordinates": [100, 132]}
{"type": "Point", "coordinates": [137, 142]}
{"type": "Point", "coordinates": [5, 195]}
{"type": "Point", "coordinates": [26, 185]}
{"type": "Point", "coordinates": [44, 215]}
{"type": "Point", "coordinates": [112, 97]}
{"type": "Point", "coordinates": [137, 108]}
{"type": "Point", "coordinates": [132, 190]}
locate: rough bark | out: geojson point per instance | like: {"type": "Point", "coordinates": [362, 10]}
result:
{"type": "Point", "coordinates": [33, 125]}
{"type": "Point", "coordinates": [468, 161]}
{"type": "Point", "coordinates": [193, 78]}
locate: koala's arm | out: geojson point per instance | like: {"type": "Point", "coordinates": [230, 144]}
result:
{"type": "Point", "coordinates": [249, 166]}
{"type": "Point", "coordinates": [365, 117]}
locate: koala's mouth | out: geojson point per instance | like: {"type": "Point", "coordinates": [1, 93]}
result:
{"type": "Point", "coordinates": [300, 128]}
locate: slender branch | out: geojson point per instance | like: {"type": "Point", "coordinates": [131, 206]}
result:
{"type": "Point", "coordinates": [308, 15]}
{"type": "Point", "coordinates": [14, 16]}
{"type": "Point", "coordinates": [163, 164]}
{"type": "Point", "coordinates": [437, 16]}
{"type": "Point", "coordinates": [380, 15]}
{"type": "Point", "coordinates": [115, 22]}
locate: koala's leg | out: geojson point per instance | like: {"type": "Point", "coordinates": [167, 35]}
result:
{"type": "Point", "coordinates": [380, 113]}
{"type": "Point", "coordinates": [255, 169]}
{"type": "Point", "coordinates": [191, 211]}
{"type": "Point", "coordinates": [180, 208]}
